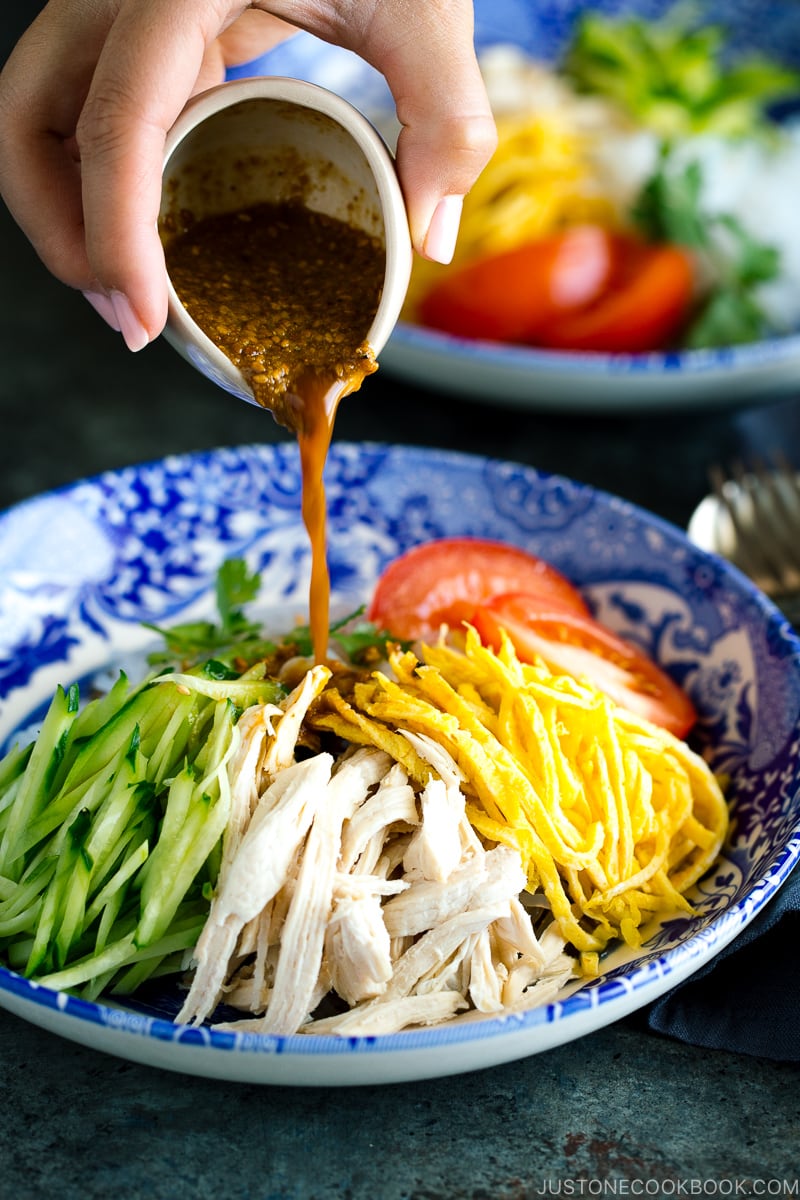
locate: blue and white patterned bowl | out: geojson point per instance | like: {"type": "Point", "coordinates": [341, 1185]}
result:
{"type": "Point", "coordinates": [540, 379]}
{"type": "Point", "coordinates": [81, 568]}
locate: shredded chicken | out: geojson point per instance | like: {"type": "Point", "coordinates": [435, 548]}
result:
{"type": "Point", "coordinates": [256, 873]}
{"type": "Point", "coordinates": [280, 751]}
{"type": "Point", "coordinates": [356, 881]}
{"type": "Point", "coordinates": [303, 933]}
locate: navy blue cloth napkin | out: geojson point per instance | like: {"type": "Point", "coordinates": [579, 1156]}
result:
{"type": "Point", "coordinates": [747, 999]}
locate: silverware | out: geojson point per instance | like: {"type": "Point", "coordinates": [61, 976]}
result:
{"type": "Point", "coordinates": [761, 503]}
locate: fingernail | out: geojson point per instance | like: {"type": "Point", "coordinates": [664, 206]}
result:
{"type": "Point", "coordinates": [102, 305]}
{"type": "Point", "coordinates": [440, 242]}
{"type": "Point", "coordinates": [135, 335]}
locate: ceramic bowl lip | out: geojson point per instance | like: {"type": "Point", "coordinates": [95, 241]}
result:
{"type": "Point", "coordinates": [184, 334]}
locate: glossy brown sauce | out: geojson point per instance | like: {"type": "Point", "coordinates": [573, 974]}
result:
{"type": "Point", "coordinates": [289, 296]}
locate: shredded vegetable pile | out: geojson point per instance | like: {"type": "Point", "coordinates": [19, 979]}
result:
{"type": "Point", "coordinates": [110, 825]}
{"type": "Point", "coordinates": [338, 874]}
{"type": "Point", "coordinates": [613, 817]}
{"type": "Point", "coordinates": [654, 134]}
{"type": "Point", "coordinates": [343, 848]}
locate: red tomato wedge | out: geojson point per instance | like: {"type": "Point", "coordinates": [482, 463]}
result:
{"type": "Point", "coordinates": [443, 581]}
{"type": "Point", "coordinates": [585, 288]}
{"type": "Point", "coordinates": [579, 645]}
{"type": "Point", "coordinates": [508, 296]}
{"type": "Point", "coordinates": [643, 307]}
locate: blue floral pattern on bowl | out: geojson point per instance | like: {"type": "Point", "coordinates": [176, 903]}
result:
{"type": "Point", "coordinates": [150, 541]}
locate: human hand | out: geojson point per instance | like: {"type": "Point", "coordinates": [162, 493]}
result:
{"type": "Point", "coordinates": [92, 88]}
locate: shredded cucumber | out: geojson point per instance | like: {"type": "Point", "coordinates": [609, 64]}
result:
{"type": "Point", "coordinates": [111, 823]}
{"type": "Point", "coordinates": [110, 828]}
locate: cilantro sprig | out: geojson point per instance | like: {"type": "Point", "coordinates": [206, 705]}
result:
{"type": "Point", "coordinates": [357, 640]}
{"type": "Point", "coordinates": [235, 636]}
{"type": "Point", "coordinates": [669, 209]}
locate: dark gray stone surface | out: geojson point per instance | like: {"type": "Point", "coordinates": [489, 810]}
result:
{"type": "Point", "coordinates": [618, 1106]}
{"type": "Point", "coordinates": [619, 1112]}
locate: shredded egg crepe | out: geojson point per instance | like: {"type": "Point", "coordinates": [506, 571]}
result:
{"type": "Point", "coordinates": [614, 818]}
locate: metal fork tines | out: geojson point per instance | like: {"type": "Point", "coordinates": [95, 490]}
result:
{"type": "Point", "coordinates": [762, 505]}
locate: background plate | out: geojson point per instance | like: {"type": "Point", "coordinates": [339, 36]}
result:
{"type": "Point", "coordinates": [82, 567]}
{"type": "Point", "coordinates": [539, 379]}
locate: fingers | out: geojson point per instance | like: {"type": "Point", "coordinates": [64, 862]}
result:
{"type": "Point", "coordinates": [86, 100]}
{"type": "Point", "coordinates": [251, 35]}
{"type": "Point", "coordinates": [156, 56]}
{"type": "Point", "coordinates": [148, 68]}
{"type": "Point", "coordinates": [42, 90]}
{"type": "Point", "coordinates": [89, 94]}
{"type": "Point", "coordinates": [426, 51]}
{"type": "Point", "coordinates": [447, 137]}
{"type": "Point", "coordinates": [82, 131]}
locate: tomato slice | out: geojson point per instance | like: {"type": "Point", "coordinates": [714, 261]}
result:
{"type": "Point", "coordinates": [643, 307]}
{"type": "Point", "coordinates": [442, 582]}
{"type": "Point", "coordinates": [579, 645]}
{"type": "Point", "coordinates": [506, 297]}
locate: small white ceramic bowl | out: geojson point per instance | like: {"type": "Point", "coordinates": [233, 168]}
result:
{"type": "Point", "coordinates": [270, 140]}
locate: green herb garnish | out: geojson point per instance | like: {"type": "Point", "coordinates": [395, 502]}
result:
{"type": "Point", "coordinates": [234, 635]}
{"type": "Point", "coordinates": [673, 74]}
{"type": "Point", "coordinates": [668, 209]}
{"type": "Point", "coordinates": [356, 642]}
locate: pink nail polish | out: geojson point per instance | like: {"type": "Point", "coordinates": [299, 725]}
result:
{"type": "Point", "coordinates": [102, 305]}
{"type": "Point", "coordinates": [440, 242]}
{"type": "Point", "coordinates": [133, 331]}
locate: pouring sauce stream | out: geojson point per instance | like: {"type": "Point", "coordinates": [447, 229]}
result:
{"type": "Point", "coordinates": [288, 294]}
